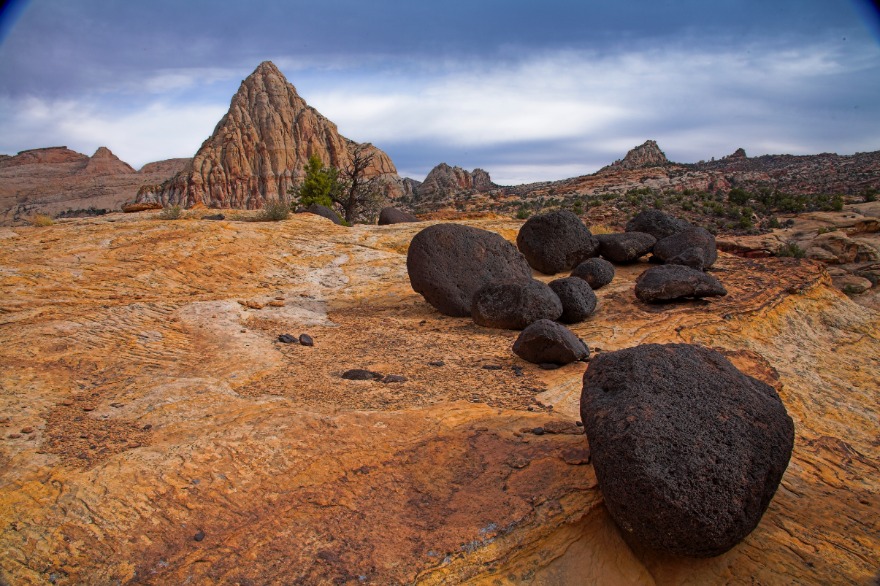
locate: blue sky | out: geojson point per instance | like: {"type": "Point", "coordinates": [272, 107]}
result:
{"type": "Point", "coordinates": [527, 90]}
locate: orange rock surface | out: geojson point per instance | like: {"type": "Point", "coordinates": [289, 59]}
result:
{"type": "Point", "coordinates": [153, 431]}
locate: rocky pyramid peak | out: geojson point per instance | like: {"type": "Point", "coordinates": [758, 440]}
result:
{"type": "Point", "coordinates": [260, 147]}
{"type": "Point", "coordinates": [644, 155]}
{"type": "Point", "coordinates": [104, 162]}
{"type": "Point", "coordinates": [739, 153]}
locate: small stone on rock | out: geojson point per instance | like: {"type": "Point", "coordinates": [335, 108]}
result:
{"type": "Point", "coordinates": [199, 536]}
{"type": "Point", "coordinates": [394, 378]}
{"type": "Point", "coordinates": [287, 339]}
{"type": "Point", "coordinates": [437, 363]}
{"type": "Point", "coordinates": [361, 374]}
{"type": "Point", "coordinates": [306, 340]}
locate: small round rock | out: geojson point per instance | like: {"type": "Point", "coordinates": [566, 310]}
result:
{"type": "Point", "coordinates": [597, 272]}
{"type": "Point", "coordinates": [577, 297]}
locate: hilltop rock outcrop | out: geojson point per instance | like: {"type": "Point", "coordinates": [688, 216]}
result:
{"type": "Point", "coordinates": [645, 155]}
{"type": "Point", "coordinates": [104, 162]}
{"type": "Point", "coordinates": [259, 148]}
{"type": "Point", "coordinates": [444, 181]}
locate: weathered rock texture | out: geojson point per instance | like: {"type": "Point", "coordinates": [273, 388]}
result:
{"type": "Point", "coordinates": [513, 305]}
{"type": "Point", "coordinates": [577, 297]}
{"type": "Point", "coordinates": [389, 215]}
{"type": "Point", "coordinates": [448, 263]}
{"type": "Point", "coordinates": [152, 416]}
{"type": "Point", "coordinates": [56, 180]}
{"type": "Point", "coordinates": [694, 247]}
{"type": "Point", "coordinates": [555, 242]}
{"type": "Point", "coordinates": [687, 449]}
{"type": "Point", "coordinates": [656, 223]}
{"type": "Point", "coordinates": [671, 282]}
{"type": "Point", "coordinates": [259, 148]}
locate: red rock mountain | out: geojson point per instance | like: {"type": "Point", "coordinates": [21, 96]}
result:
{"type": "Point", "coordinates": [444, 180]}
{"type": "Point", "coordinates": [260, 147]}
{"type": "Point", "coordinates": [645, 155]}
{"type": "Point", "coordinates": [103, 162]}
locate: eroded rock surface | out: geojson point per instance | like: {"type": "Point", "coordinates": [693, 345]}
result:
{"type": "Point", "coordinates": [141, 356]}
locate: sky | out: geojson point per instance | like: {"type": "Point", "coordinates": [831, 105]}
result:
{"type": "Point", "coordinates": [527, 90]}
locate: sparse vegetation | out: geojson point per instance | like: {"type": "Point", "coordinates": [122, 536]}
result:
{"type": "Point", "coordinates": [42, 220]}
{"type": "Point", "coordinates": [172, 213]}
{"type": "Point", "coordinates": [791, 250]}
{"type": "Point", "coordinates": [274, 211]}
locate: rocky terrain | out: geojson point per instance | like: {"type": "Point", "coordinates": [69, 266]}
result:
{"type": "Point", "coordinates": [155, 430]}
{"type": "Point", "coordinates": [55, 180]}
{"type": "Point", "coordinates": [259, 149]}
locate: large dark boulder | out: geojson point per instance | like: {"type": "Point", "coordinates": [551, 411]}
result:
{"type": "Point", "coordinates": [448, 263]}
{"type": "Point", "coordinates": [513, 305]}
{"type": "Point", "coordinates": [597, 272]}
{"type": "Point", "coordinates": [670, 282]}
{"type": "Point", "coordinates": [625, 247]}
{"type": "Point", "coordinates": [324, 212]}
{"type": "Point", "coordinates": [688, 451]}
{"type": "Point", "coordinates": [391, 215]}
{"type": "Point", "coordinates": [656, 223]}
{"type": "Point", "coordinates": [694, 247]}
{"type": "Point", "coordinates": [577, 297]}
{"type": "Point", "coordinates": [555, 242]}
{"type": "Point", "coordinates": [547, 342]}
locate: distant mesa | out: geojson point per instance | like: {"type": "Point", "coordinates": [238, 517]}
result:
{"type": "Point", "coordinates": [260, 147]}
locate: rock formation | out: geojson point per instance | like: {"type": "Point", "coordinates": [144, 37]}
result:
{"type": "Point", "coordinates": [547, 342]}
{"type": "Point", "coordinates": [694, 247]}
{"type": "Point", "coordinates": [259, 148]}
{"type": "Point", "coordinates": [645, 155]}
{"type": "Point", "coordinates": [58, 181]}
{"type": "Point", "coordinates": [625, 247]}
{"type": "Point", "coordinates": [444, 182]}
{"type": "Point", "coordinates": [672, 282]}
{"type": "Point", "coordinates": [514, 304]}
{"type": "Point", "coordinates": [577, 297]}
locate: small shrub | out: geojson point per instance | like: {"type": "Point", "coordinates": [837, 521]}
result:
{"type": "Point", "coordinates": [172, 213]}
{"type": "Point", "coordinates": [774, 222]}
{"type": "Point", "coordinates": [42, 220]}
{"type": "Point", "coordinates": [791, 250]}
{"type": "Point", "coordinates": [870, 195]}
{"type": "Point", "coordinates": [826, 230]}
{"type": "Point", "coordinates": [600, 229]}
{"type": "Point", "coordinates": [274, 211]}
{"type": "Point", "coordinates": [522, 213]}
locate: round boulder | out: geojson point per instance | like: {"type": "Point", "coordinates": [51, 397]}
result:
{"type": "Point", "coordinates": [625, 247]}
{"type": "Point", "coordinates": [448, 263]}
{"type": "Point", "coordinates": [547, 342]}
{"type": "Point", "coordinates": [577, 297]}
{"type": "Point", "coordinates": [597, 272]}
{"type": "Point", "coordinates": [512, 305]}
{"type": "Point", "coordinates": [555, 242]}
{"type": "Point", "coordinates": [324, 212]}
{"type": "Point", "coordinates": [656, 223]}
{"type": "Point", "coordinates": [694, 247]}
{"type": "Point", "coordinates": [391, 215]}
{"type": "Point", "coordinates": [688, 451]}
{"type": "Point", "coordinates": [670, 282]}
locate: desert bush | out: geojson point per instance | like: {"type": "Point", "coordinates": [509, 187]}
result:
{"type": "Point", "coordinates": [791, 250]}
{"type": "Point", "coordinates": [172, 213]}
{"type": "Point", "coordinates": [274, 211]}
{"type": "Point", "coordinates": [523, 213]}
{"type": "Point", "coordinates": [42, 220]}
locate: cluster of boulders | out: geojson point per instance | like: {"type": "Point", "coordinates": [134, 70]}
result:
{"type": "Point", "coordinates": [688, 451]}
{"type": "Point", "coordinates": [464, 271]}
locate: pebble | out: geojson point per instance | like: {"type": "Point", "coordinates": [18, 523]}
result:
{"type": "Point", "coordinates": [199, 536]}
{"type": "Point", "coordinates": [306, 340]}
{"type": "Point", "coordinates": [491, 367]}
{"type": "Point", "coordinates": [14, 435]}
{"type": "Point", "coordinates": [437, 363]}
{"type": "Point", "coordinates": [87, 408]}
{"type": "Point", "coordinates": [27, 429]}
{"type": "Point", "coordinates": [538, 431]}
{"type": "Point", "coordinates": [361, 374]}
{"type": "Point", "coordinates": [287, 339]}
{"type": "Point", "coordinates": [517, 370]}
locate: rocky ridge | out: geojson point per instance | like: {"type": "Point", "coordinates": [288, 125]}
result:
{"type": "Point", "coordinates": [260, 147]}
{"type": "Point", "coordinates": [154, 430]}
{"type": "Point", "coordinates": [56, 180]}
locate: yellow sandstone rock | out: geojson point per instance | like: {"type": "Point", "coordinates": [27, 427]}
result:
{"type": "Point", "coordinates": [176, 441]}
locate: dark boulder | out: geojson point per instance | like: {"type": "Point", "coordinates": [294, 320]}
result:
{"type": "Point", "coordinates": [556, 241]}
{"type": "Point", "coordinates": [322, 211]}
{"type": "Point", "coordinates": [656, 223]}
{"type": "Point", "coordinates": [670, 282]}
{"type": "Point", "coordinates": [688, 451]}
{"type": "Point", "coordinates": [577, 297]}
{"type": "Point", "coordinates": [625, 247]}
{"type": "Point", "coordinates": [547, 342]}
{"type": "Point", "coordinates": [448, 263]}
{"type": "Point", "coordinates": [512, 305]}
{"type": "Point", "coordinates": [214, 217]}
{"type": "Point", "coordinates": [694, 247]}
{"type": "Point", "coordinates": [597, 272]}
{"type": "Point", "coordinates": [391, 215]}
{"type": "Point", "coordinates": [361, 374]}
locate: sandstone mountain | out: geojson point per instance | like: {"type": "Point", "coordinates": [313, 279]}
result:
{"type": "Point", "coordinates": [444, 182]}
{"type": "Point", "coordinates": [58, 180]}
{"type": "Point", "coordinates": [259, 149]}
{"type": "Point", "coordinates": [154, 431]}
